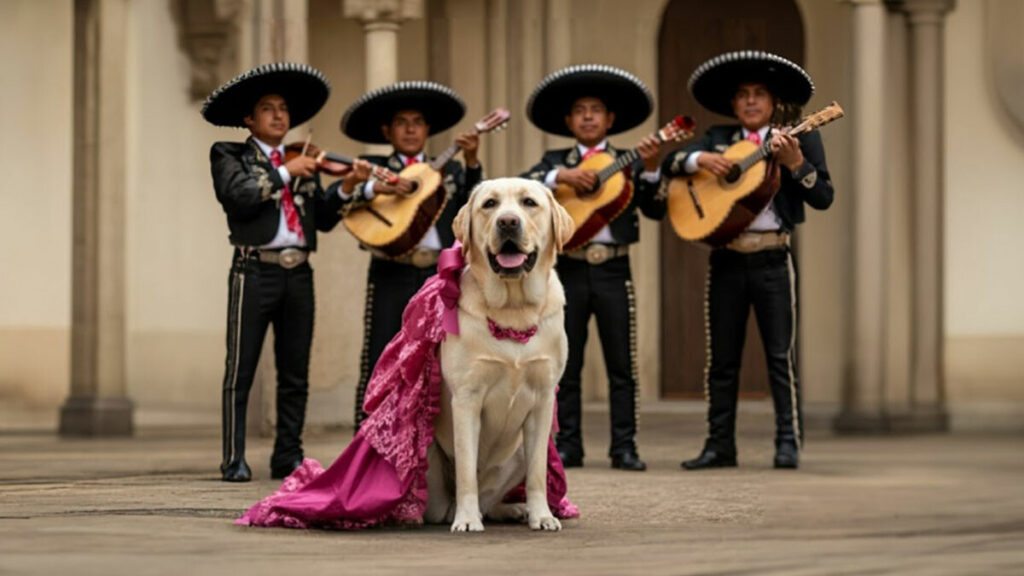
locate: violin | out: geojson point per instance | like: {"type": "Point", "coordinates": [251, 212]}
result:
{"type": "Point", "coordinates": [326, 162]}
{"type": "Point", "coordinates": [331, 163]}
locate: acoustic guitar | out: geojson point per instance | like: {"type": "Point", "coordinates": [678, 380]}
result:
{"type": "Point", "coordinates": [715, 210]}
{"type": "Point", "coordinates": [394, 224]}
{"type": "Point", "coordinates": [594, 210]}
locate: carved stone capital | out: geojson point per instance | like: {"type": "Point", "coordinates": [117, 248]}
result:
{"type": "Point", "coordinates": [926, 11]}
{"type": "Point", "coordinates": [368, 11]}
{"type": "Point", "coordinates": [207, 33]}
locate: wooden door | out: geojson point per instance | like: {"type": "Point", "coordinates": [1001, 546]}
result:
{"type": "Point", "coordinates": [691, 32]}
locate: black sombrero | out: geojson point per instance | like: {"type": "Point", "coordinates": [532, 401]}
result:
{"type": "Point", "coordinates": [441, 107]}
{"type": "Point", "coordinates": [621, 92]}
{"type": "Point", "coordinates": [714, 82]}
{"type": "Point", "coordinates": [304, 89]}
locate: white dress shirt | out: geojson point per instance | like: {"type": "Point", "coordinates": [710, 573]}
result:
{"type": "Point", "coordinates": [604, 235]}
{"type": "Point", "coordinates": [767, 220]}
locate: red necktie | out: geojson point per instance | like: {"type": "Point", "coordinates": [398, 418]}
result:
{"type": "Point", "coordinates": [410, 160]}
{"type": "Point", "coordinates": [291, 217]}
{"type": "Point", "coordinates": [754, 137]}
{"type": "Point", "coordinates": [590, 152]}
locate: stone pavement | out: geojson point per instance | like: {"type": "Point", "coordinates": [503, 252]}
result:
{"type": "Point", "coordinates": [908, 505]}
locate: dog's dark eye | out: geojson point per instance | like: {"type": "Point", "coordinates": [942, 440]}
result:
{"type": "Point", "coordinates": [490, 203]}
{"type": "Point", "coordinates": [529, 202]}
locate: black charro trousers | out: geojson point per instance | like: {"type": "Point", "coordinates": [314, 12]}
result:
{"type": "Point", "coordinates": [767, 281]}
{"type": "Point", "coordinates": [606, 292]}
{"type": "Point", "coordinates": [262, 294]}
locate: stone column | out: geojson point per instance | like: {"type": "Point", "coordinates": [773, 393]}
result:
{"type": "Point", "coordinates": [862, 394]}
{"type": "Point", "coordinates": [499, 58]}
{"type": "Point", "coordinates": [98, 404]}
{"type": "Point", "coordinates": [879, 394]}
{"type": "Point", "coordinates": [925, 25]}
{"type": "Point", "coordinates": [558, 54]}
{"type": "Point", "coordinates": [381, 20]}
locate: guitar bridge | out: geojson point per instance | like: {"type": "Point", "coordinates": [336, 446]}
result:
{"type": "Point", "coordinates": [693, 197]}
{"type": "Point", "coordinates": [379, 216]}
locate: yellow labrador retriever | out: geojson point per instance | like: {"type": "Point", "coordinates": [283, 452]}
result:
{"type": "Point", "coordinates": [498, 394]}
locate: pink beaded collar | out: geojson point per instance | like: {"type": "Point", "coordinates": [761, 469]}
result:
{"type": "Point", "coordinates": [502, 333]}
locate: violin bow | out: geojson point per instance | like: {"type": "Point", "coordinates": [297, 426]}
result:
{"type": "Point", "coordinates": [305, 146]}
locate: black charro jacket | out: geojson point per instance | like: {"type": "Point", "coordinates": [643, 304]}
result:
{"type": "Point", "coordinates": [248, 187]}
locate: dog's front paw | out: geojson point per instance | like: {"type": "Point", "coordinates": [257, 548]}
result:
{"type": "Point", "coordinates": [547, 522]}
{"type": "Point", "coordinates": [467, 523]}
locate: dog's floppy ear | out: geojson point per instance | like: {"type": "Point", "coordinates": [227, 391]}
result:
{"type": "Point", "coordinates": [460, 226]}
{"type": "Point", "coordinates": [561, 223]}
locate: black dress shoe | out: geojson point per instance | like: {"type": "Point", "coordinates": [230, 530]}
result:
{"type": "Point", "coordinates": [710, 459]}
{"type": "Point", "coordinates": [236, 472]}
{"type": "Point", "coordinates": [628, 461]}
{"type": "Point", "coordinates": [787, 456]}
{"type": "Point", "coordinates": [570, 460]}
{"type": "Point", "coordinates": [281, 471]}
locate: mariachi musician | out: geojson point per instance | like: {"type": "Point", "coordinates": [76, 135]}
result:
{"type": "Point", "coordinates": [404, 115]}
{"type": "Point", "coordinates": [757, 268]}
{"type": "Point", "coordinates": [590, 103]}
{"type": "Point", "coordinates": [274, 210]}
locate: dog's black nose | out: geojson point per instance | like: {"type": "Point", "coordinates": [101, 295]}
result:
{"type": "Point", "coordinates": [508, 223]}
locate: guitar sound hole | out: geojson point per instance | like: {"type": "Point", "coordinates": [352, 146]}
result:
{"type": "Point", "coordinates": [733, 175]}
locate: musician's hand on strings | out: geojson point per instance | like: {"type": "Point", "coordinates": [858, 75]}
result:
{"type": "Point", "coordinates": [359, 173]}
{"type": "Point", "coordinates": [583, 181]}
{"type": "Point", "coordinates": [402, 187]}
{"type": "Point", "coordinates": [301, 166]}
{"type": "Point", "coordinates": [786, 150]}
{"type": "Point", "coordinates": [715, 163]}
{"type": "Point", "coordinates": [470, 143]}
{"type": "Point", "coordinates": [648, 150]}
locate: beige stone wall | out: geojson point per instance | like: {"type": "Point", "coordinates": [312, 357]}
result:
{"type": "Point", "coordinates": [493, 53]}
{"type": "Point", "coordinates": [35, 203]}
{"type": "Point", "coordinates": [984, 269]}
{"type": "Point", "coordinates": [824, 238]}
{"type": "Point", "coordinates": [177, 251]}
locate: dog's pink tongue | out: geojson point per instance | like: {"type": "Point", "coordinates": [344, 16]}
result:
{"type": "Point", "coordinates": [511, 260]}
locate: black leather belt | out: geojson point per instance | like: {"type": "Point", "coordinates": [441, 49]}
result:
{"type": "Point", "coordinates": [286, 258]}
{"type": "Point", "coordinates": [598, 253]}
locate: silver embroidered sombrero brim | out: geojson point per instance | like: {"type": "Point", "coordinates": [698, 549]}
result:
{"type": "Point", "coordinates": [714, 83]}
{"type": "Point", "coordinates": [441, 107]}
{"type": "Point", "coordinates": [622, 93]}
{"type": "Point", "coordinates": [304, 89]}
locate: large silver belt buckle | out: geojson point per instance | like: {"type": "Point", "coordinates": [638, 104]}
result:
{"type": "Point", "coordinates": [290, 258]}
{"type": "Point", "coordinates": [598, 254]}
{"type": "Point", "coordinates": [422, 258]}
{"type": "Point", "coordinates": [748, 242]}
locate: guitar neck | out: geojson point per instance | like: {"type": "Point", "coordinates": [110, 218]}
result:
{"type": "Point", "coordinates": [829, 114]}
{"type": "Point", "coordinates": [763, 151]}
{"type": "Point", "coordinates": [621, 162]}
{"type": "Point", "coordinates": [447, 155]}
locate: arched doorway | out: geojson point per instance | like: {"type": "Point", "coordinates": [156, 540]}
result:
{"type": "Point", "coordinates": [691, 32]}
